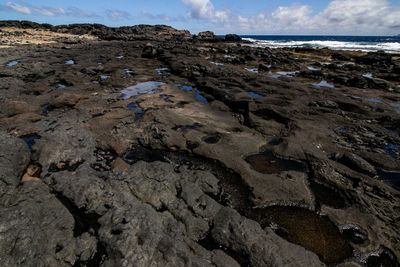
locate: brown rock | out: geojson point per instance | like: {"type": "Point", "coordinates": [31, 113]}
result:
{"type": "Point", "coordinates": [119, 163]}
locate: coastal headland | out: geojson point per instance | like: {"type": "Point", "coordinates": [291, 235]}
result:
{"type": "Point", "coordinates": [150, 146]}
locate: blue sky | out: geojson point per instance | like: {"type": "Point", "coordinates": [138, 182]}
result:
{"type": "Point", "coordinates": [339, 17]}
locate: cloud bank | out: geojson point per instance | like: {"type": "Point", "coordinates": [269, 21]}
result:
{"type": "Point", "coordinates": [117, 15]}
{"type": "Point", "coordinates": [339, 17]}
{"type": "Point", "coordinates": [18, 8]}
{"type": "Point", "coordinates": [48, 11]}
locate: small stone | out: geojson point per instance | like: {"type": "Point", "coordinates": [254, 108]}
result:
{"type": "Point", "coordinates": [119, 163]}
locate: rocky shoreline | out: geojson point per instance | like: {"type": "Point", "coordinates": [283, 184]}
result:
{"type": "Point", "coordinates": [147, 146]}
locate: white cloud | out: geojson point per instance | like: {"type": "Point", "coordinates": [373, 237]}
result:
{"type": "Point", "coordinates": [79, 13]}
{"type": "Point", "coordinates": [49, 11]}
{"type": "Point", "coordinates": [339, 17]}
{"type": "Point", "coordinates": [156, 16]}
{"type": "Point", "coordinates": [352, 15]}
{"type": "Point", "coordinates": [204, 9]}
{"type": "Point", "coordinates": [19, 8]}
{"type": "Point", "coordinates": [116, 15]}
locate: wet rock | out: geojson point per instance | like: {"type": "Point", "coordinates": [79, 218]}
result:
{"type": "Point", "coordinates": [382, 257]}
{"type": "Point", "coordinates": [262, 247]}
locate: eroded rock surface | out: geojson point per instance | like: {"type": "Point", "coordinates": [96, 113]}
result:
{"type": "Point", "coordinates": [239, 156]}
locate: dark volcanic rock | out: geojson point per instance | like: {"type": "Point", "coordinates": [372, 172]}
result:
{"type": "Point", "coordinates": [375, 59]}
{"type": "Point", "coordinates": [14, 158]}
{"type": "Point", "coordinates": [227, 165]}
{"type": "Point", "coordinates": [149, 51]}
{"type": "Point", "coordinates": [232, 38]}
{"type": "Point", "coordinates": [208, 36]}
{"type": "Point", "coordinates": [341, 56]}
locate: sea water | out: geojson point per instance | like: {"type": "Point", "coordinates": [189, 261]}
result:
{"type": "Point", "coordinates": [390, 44]}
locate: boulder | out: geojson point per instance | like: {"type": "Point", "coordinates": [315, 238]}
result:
{"type": "Point", "coordinates": [232, 38]}
{"type": "Point", "coordinates": [208, 36]}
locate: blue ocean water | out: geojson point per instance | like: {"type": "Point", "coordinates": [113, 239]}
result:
{"type": "Point", "coordinates": [389, 44]}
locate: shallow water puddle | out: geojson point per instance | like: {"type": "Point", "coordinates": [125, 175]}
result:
{"type": "Point", "coordinates": [139, 112]}
{"type": "Point", "coordinates": [266, 162]}
{"type": "Point", "coordinates": [296, 224]}
{"type": "Point", "coordinates": [30, 140]}
{"type": "Point", "coordinates": [128, 71]}
{"type": "Point", "coordinates": [186, 128]}
{"type": "Point", "coordinates": [217, 63]}
{"type": "Point", "coordinates": [212, 139]}
{"type": "Point", "coordinates": [278, 74]}
{"type": "Point", "coordinates": [368, 75]}
{"type": "Point", "coordinates": [70, 62]}
{"type": "Point", "coordinates": [12, 63]}
{"type": "Point", "coordinates": [166, 97]}
{"type": "Point", "coordinates": [198, 97]}
{"type": "Point", "coordinates": [392, 150]}
{"type": "Point", "coordinates": [305, 228]}
{"type": "Point", "coordinates": [312, 68]}
{"type": "Point", "coordinates": [328, 195]}
{"type": "Point", "coordinates": [254, 95]}
{"type": "Point", "coordinates": [140, 89]}
{"type": "Point", "coordinates": [324, 84]}
{"type": "Point", "coordinates": [60, 86]}
{"type": "Point", "coordinates": [119, 57]}
{"type": "Point", "coordinates": [160, 71]}
{"type": "Point", "coordinates": [287, 73]}
{"type": "Point", "coordinates": [104, 77]}
{"type": "Point", "coordinates": [373, 100]}
{"type": "Point", "coordinates": [255, 70]}
{"type": "Point", "coordinates": [391, 178]}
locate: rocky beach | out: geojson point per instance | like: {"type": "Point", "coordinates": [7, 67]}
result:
{"type": "Point", "coordinates": [150, 146]}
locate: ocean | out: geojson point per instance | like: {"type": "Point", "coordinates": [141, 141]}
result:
{"type": "Point", "coordinates": [389, 44]}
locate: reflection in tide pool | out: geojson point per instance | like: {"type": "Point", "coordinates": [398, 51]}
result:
{"type": "Point", "coordinates": [161, 70]}
{"type": "Point", "coordinates": [312, 68]}
{"type": "Point", "coordinates": [254, 95]}
{"type": "Point", "coordinates": [12, 63]}
{"type": "Point", "coordinates": [188, 88]}
{"type": "Point", "coordinates": [324, 84]}
{"type": "Point", "coordinates": [140, 89]}
{"type": "Point", "coordinates": [217, 64]}
{"type": "Point", "coordinates": [70, 62]}
{"type": "Point", "coordinates": [368, 75]}
{"type": "Point", "coordinates": [374, 100]}
{"type": "Point", "coordinates": [252, 70]}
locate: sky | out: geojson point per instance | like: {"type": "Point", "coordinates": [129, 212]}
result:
{"type": "Point", "coordinates": [319, 17]}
